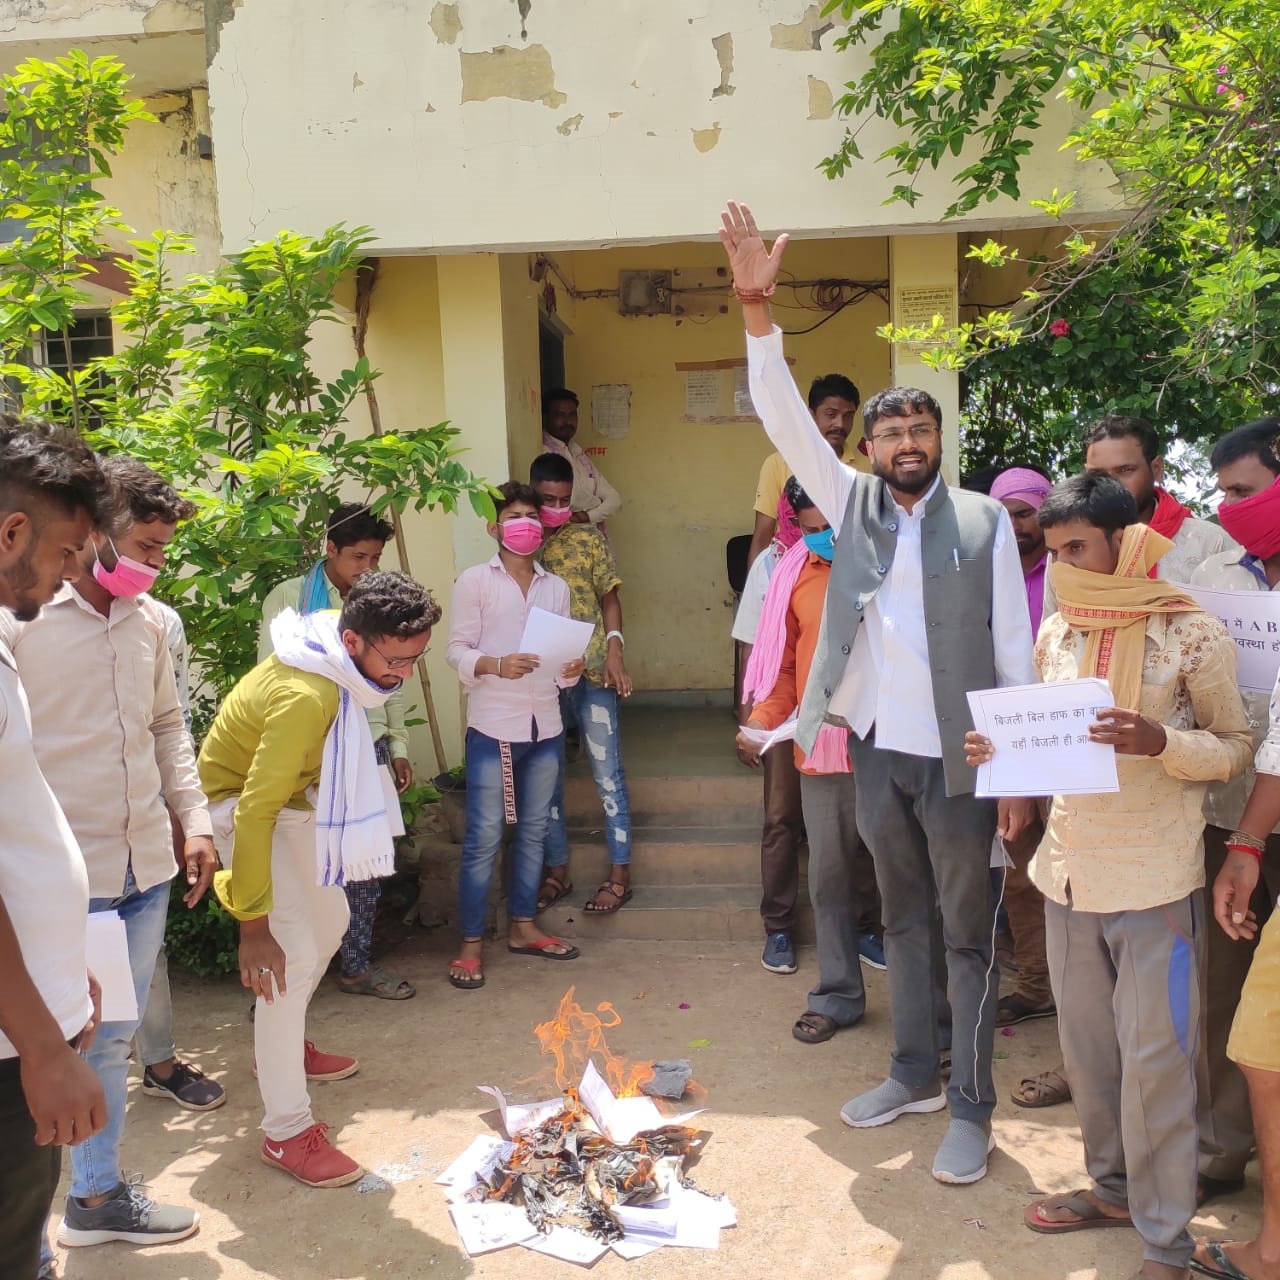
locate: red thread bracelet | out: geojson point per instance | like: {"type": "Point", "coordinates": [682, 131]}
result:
{"type": "Point", "coordinates": [1246, 848]}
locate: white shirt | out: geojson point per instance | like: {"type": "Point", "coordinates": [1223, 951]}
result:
{"type": "Point", "coordinates": [43, 882]}
{"type": "Point", "coordinates": [888, 680]}
{"type": "Point", "coordinates": [747, 620]}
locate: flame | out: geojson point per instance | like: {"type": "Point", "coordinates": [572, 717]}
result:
{"type": "Point", "coordinates": [575, 1035]}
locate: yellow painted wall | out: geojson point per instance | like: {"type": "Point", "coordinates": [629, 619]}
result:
{"type": "Point", "coordinates": [689, 487]}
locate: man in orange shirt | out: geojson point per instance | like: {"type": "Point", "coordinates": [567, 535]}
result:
{"type": "Point", "coordinates": [842, 882]}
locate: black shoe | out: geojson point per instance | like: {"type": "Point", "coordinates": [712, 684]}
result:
{"type": "Point", "coordinates": [128, 1216]}
{"type": "Point", "coordinates": [188, 1086]}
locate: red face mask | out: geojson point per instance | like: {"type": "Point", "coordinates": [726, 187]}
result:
{"type": "Point", "coordinates": [1255, 522]}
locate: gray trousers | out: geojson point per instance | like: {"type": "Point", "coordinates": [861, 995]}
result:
{"type": "Point", "coordinates": [1128, 994]}
{"type": "Point", "coordinates": [932, 857]}
{"type": "Point", "coordinates": [842, 889]}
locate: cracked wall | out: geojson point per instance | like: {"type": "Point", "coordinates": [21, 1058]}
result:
{"type": "Point", "coordinates": [511, 125]}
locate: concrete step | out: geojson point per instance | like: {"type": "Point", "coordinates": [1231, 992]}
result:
{"type": "Point", "coordinates": [707, 800]}
{"type": "Point", "coordinates": [667, 855]}
{"type": "Point", "coordinates": [675, 913]}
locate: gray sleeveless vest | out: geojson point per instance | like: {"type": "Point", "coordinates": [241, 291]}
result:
{"type": "Point", "coordinates": [957, 606]}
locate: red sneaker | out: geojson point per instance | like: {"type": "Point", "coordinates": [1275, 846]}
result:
{"type": "Point", "coordinates": [311, 1158]}
{"type": "Point", "coordinates": [327, 1066]}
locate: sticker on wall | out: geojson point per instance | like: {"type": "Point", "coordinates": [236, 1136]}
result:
{"type": "Point", "coordinates": [916, 307]}
{"type": "Point", "coordinates": [611, 410]}
{"type": "Point", "coordinates": [742, 406]}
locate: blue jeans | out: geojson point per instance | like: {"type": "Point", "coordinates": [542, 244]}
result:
{"type": "Point", "coordinates": [596, 712]}
{"type": "Point", "coordinates": [535, 766]}
{"type": "Point", "coordinates": [95, 1164]}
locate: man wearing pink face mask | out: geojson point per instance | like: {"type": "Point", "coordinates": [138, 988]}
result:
{"type": "Point", "coordinates": [114, 747]}
{"type": "Point", "coordinates": [513, 729]}
{"type": "Point", "coordinates": [1247, 467]}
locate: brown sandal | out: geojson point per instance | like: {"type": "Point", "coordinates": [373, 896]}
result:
{"type": "Point", "coordinates": [1047, 1089]}
{"type": "Point", "coordinates": [553, 889]}
{"type": "Point", "coordinates": [612, 887]}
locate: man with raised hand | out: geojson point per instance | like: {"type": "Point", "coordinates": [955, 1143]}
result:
{"type": "Point", "coordinates": [52, 493]}
{"type": "Point", "coordinates": [925, 603]}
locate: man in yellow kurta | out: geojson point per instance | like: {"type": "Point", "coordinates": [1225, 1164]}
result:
{"type": "Point", "coordinates": [297, 808]}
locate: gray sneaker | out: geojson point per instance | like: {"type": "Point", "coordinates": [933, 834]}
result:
{"type": "Point", "coordinates": [887, 1102]}
{"type": "Point", "coordinates": [962, 1158]}
{"type": "Point", "coordinates": [128, 1216]}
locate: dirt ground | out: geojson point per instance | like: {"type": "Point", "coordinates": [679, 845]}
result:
{"type": "Point", "coordinates": [813, 1197]}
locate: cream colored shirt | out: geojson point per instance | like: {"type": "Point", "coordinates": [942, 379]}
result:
{"type": "Point", "coordinates": [1224, 801]}
{"type": "Point", "coordinates": [1268, 759]}
{"type": "Point", "coordinates": [592, 493]}
{"type": "Point", "coordinates": [109, 733]}
{"type": "Point", "coordinates": [1141, 846]}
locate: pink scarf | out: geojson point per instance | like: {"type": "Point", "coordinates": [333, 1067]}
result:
{"type": "Point", "coordinates": [831, 749]}
{"type": "Point", "coordinates": [789, 531]}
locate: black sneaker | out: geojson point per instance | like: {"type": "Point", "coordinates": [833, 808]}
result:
{"type": "Point", "coordinates": [127, 1216]}
{"type": "Point", "coordinates": [188, 1086]}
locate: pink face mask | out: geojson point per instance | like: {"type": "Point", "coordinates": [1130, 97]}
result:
{"type": "Point", "coordinates": [129, 577]}
{"type": "Point", "coordinates": [523, 535]}
{"type": "Point", "coordinates": [554, 517]}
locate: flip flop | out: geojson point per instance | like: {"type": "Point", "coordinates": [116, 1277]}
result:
{"type": "Point", "coordinates": [1223, 1268]}
{"type": "Point", "coordinates": [610, 886]}
{"type": "Point", "coordinates": [378, 982]}
{"type": "Point", "coordinates": [1048, 1089]}
{"type": "Point", "coordinates": [1091, 1218]}
{"type": "Point", "coordinates": [540, 948]}
{"type": "Point", "coordinates": [814, 1028]}
{"type": "Point", "coordinates": [560, 889]}
{"type": "Point", "coordinates": [471, 979]}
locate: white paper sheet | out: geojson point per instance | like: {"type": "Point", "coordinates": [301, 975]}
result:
{"type": "Point", "coordinates": [489, 1226]}
{"type": "Point", "coordinates": [634, 1248]}
{"type": "Point", "coordinates": [518, 1116]}
{"type": "Point", "coordinates": [107, 955]}
{"type": "Point", "coordinates": [477, 1161]}
{"type": "Point", "coordinates": [1252, 619]}
{"type": "Point", "coordinates": [568, 1246]}
{"type": "Point", "coordinates": [1041, 737]}
{"type": "Point", "coordinates": [763, 739]}
{"type": "Point", "coordinates": [554, 639]}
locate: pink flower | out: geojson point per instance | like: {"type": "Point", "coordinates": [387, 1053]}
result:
{"type": "Point", "coordinates": [1059, 328]}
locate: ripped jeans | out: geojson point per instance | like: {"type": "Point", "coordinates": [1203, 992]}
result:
{"type": "Point", "coordinates": [595, 711]}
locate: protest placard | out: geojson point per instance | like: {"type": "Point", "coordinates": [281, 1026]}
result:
{"type": "Point", "coordinates": [1040, 733]}
{"type": "Point", "coordinates": [1252, 619]}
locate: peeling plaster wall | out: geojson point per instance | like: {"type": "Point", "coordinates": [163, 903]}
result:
{"type": "Point", "coordinates": [495, 125]}
{"type": "Point", "coordinates": [97, 19]}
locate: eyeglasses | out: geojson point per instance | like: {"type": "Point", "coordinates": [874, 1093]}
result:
{"type": "Point", "coordinates": [920, 434]}
{"type": "Point", "coordinates": [398, 664]}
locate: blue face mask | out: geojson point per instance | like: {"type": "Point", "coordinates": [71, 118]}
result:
{"type": "Point", "coordinates": [822, 544]}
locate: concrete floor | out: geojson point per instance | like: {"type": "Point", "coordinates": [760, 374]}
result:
{"type": "Point", "coordinates": [814, 1198]}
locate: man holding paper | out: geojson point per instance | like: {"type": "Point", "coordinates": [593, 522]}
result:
{"type": "Point", "coordinates": [52, 492]}
{"type": "Point", "coordinates": [842, 877]}
{"type": "Point", "coordinates": [1248, 475]}
{"type": "Point", "coordinates": [113, 743]}
{"type": "Point", "coordinates": [925, 603]}
{"type": "Point", "coordinates": [513, 727]}
{"type": "Point", "coordinates": [1122, 871]}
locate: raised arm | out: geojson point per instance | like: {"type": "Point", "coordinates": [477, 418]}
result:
{"type": "Point", "coordinates": [776, 397]}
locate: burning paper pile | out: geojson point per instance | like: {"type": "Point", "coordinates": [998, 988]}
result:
{"type": "Point", "coordinates": [586, 1172]}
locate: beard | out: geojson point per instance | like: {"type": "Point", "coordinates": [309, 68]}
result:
{"type": "Point", "coordinates": [1027, 544]}
{"type": "Point", "coordinates": [22, 583]}
{"type": "Point", "coordinates": [910, 482]}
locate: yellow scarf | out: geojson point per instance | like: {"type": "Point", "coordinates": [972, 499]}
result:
{"type": "Point", "coordinates": [1113, 610]}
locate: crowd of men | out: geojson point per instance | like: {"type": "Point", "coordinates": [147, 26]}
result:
{"type": "Point", "coordinates": [878, 598]}
{"type": "Point", "coordinates": [893, 596]}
